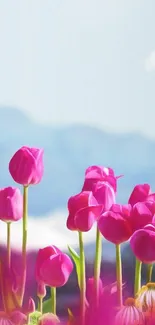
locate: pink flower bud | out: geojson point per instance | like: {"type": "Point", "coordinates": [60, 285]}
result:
{"type": "Point", "coordinates": [142, 244]}
{"type": "Point", "coordinates": [139, 194]}
{"type": "Point", "coordinates": [26, 166]}
{"type": "Point", "coordinates": [83, 211]}
{"type": "Point", "coordinates": [49, 319]}
{"type": "Point", "coordinates": [115, 227]}
{"type": "Point", "coordinates": [29, 306]}
{"type": "Point", "coordinates": [53, 268]}
{"type": "Point", "coordinates": [95, 174]}
{"type": "Point", "coordinates": [41, 290]}
{"type": "Point", "coordinates": [90, 289]}
{"type": "Point", "coordinates": [11, 204]}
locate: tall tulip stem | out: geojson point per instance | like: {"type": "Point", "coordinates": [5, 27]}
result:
{"type": "Point", "coordinates": [149, 272]}
{"type": "Point", "coordinates": [24, 243]}
{"type": "Point", "coordinates": [41, 304]}
{"type": "Point", "coordinates": [119, 273]}
{"type": "Point", "coordinates": [97, 265]}
{"type": "Point", "coordinates": [53, 299]}
{"type": "Point", "coordinates": [82, 278]}
{"type": "Point", "coordinates": [137, 284]}
{"type": "Point", "coordinates": [9, 243]}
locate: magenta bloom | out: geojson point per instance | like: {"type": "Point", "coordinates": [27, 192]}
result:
{"type": "Point", "coordinates": [140, 216]}
{"type": "Point", "coordinates": [84, 210]}
{"type": "Point", "coordinates": [104, 194]}
{"type": "Point", "coordinates": [95, 174]}
{"type": "Point", "coordinates": [114, 224]}
{"type": "Point", "coordinates": [90, 289]}
{"type": "Point", "coordinates": [142, 244]}
{"type": "Point", "coordinates": [26, 166]}
{"type": "Point", "coordinates": [11, 204]}
{"type": "Point", "coordinates": [53, 267]}
{"type": "Point", "coordinates": [139, 194]}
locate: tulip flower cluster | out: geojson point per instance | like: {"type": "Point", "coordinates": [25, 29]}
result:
{"type": "Point", "coordinates": [94, 206]}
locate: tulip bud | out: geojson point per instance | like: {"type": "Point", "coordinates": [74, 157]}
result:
{"type": "Point", "coordinates": [142, 244]}
{"type": "Point", "coordinates": [53, 267]}
{"type": "Point", "coordinates": [114, 227]}
{"type": "Point", "coordinates": [26, 166]}
{"type": "Point", "coordinates": [29, 307]}
{"type": "Point", "coordinates": [11, 204]}
{"type": "Point", "coordinates": [41, 290]}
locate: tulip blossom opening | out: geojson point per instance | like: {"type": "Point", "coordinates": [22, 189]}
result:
{"type": "Point", "coordinates": [84, 210]}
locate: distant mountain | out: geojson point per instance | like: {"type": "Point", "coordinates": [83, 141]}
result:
{"type": "Point", "coordinates": [68, 152]}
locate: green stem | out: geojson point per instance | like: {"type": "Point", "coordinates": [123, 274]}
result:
{"type": "Point", "coordinates": [41, 304]}
{"type": "Point", "coordinates": [149, 272]}
{"type": "Point", "coordinates": [24, 243]}
{"type": "Point", "coordinates": [82, 279]}
{"type": "Point", "coordinates": [9, 243]}
{"type": "Point", "coordinates": [137, 284]}
{"type": "Point", "coordinates": [53, 299]}
{"type": "Point", "coordinates": [97, 265]}
{"type": "Point", "coordinates": [119, 273]}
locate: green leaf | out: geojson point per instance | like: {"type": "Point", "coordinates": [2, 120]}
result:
{"type": "Point", "coordinates": [47, 306]}
{"type": "Point", "coordinates": [76, 259]}
{"type": "Point", "coordinates": [34, 317]}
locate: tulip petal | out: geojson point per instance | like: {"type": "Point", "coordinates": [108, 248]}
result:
{"type": "Point", "coordinates": [85, 218]}
{"type": "Point", "coordinates": [56, 270]}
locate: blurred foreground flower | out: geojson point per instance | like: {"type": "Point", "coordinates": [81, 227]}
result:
{"type": "Point", "coordinates": [145, 299]}
{"type": "Point", "coordinates": [129, 314]}
{"type": "Point", "coordinates": [49, 319]}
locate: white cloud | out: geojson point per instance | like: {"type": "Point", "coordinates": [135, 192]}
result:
{"type": "Point", "coordinates": [150, 62]}
{"type": "Point", "coordinates": [50, 230]}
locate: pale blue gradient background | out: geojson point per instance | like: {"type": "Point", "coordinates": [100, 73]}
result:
{"type": "Point", "coordinates": [80, 61]}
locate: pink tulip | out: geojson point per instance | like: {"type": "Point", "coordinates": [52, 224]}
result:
{"type": "Point", "coordinates": [142, 244]}
{"type": "Point", "coordinates": [90, 289]}
{"type": "Point", "coordinates": [114, 225]}
{"type": "Point", "coordinates": [53, 267]}
{"type": "Point", "coordinates": [83, 211]}
{"type": "Point", "coordinates": [26, 166]}
{"type": "Point", "coordinates": [104, 194]}
{"type": "Point", "coordinates": [139, 194]}
{"type": "Point", "coordinates": [95, 174]}
{"type": "Point", "coordinates": [11, 204]}
{"type": "Point", "coordinates": [140, 216]}
{"type": "Point", "coordinates": [49, 319]}
{"type": "Point", "coordinates": [18, 318]}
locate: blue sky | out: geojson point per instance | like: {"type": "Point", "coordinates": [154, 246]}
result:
{"type": "Point", "coordinates": [87, 61]}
